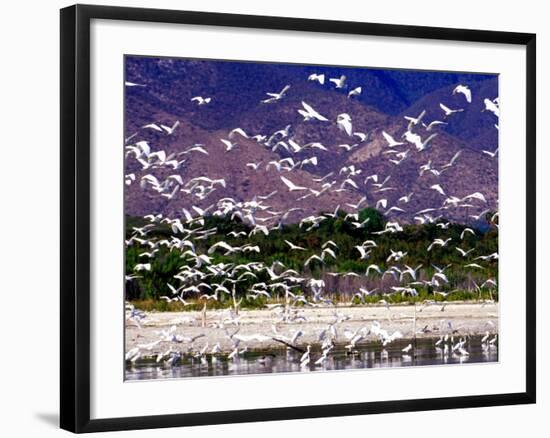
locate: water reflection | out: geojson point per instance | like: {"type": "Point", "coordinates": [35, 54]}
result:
{"type": "Point", "coordinates": [282, 360]}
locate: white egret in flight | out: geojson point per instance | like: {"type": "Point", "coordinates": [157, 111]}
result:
{"type": "Point", "coordinates": [317, 77]}
{"type": "Point", "coordinates": [463, 89]}
{"type": "Point", "coordinates": [339, 82]}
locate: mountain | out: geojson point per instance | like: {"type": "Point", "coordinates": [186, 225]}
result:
{"type": "Point", "coordinates": [237, 90]}
{"type": "Point", "coordinates": [239, 86]}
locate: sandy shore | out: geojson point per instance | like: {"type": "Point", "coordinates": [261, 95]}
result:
{"type": "Point", "coordinates": [431, 321]}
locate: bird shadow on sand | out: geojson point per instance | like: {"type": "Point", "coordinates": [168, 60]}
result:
{"type": "Point", "coordinates": [49, 418]}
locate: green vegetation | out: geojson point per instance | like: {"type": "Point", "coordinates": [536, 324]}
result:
{"type": "Point", "coordinates": [413, 240]}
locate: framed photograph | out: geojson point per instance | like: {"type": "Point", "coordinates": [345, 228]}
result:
{"type": "Point", "coordinates": [269, 218]}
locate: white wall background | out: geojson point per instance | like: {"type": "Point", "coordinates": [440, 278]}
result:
{"type": "Point", "coordinates": [29, 215]}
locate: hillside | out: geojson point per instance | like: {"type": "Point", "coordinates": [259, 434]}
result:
{"type": "Point", "coordinates": [237, 92]}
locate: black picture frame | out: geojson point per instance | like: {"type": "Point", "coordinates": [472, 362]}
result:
{"type": "Point", "coordinates": [75, 217]}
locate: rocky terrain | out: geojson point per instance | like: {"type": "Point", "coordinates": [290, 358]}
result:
{"type": "Point", "coordinates": [237, 90]}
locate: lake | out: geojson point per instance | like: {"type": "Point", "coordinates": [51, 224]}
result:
{"type": "Point", "coordinates": [282, 360]}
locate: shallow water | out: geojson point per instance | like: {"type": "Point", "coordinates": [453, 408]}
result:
{"type": "Point", "coordinates": [283, 360]}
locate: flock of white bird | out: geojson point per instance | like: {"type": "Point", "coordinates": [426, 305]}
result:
{"type": "Point", "coordinates": [202, 278]}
